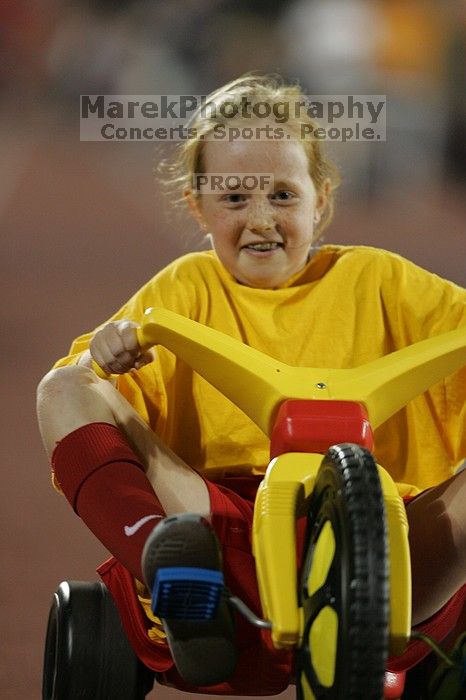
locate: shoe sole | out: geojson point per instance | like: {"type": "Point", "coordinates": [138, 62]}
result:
{"type": "Point", "coordinates": [203, 649]}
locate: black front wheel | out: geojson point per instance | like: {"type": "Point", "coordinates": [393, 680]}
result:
{"type": "Point", "coordinates": [87, 654]}
{"type": "Point", "coordinates": [344, 582]}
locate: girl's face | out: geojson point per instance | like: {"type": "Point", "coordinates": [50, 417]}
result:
{"type": "Point", "coordinates": [263, 237]}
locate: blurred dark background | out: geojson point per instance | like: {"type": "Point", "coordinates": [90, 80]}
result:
{"type": "Point", "coordinates": [83, 224]}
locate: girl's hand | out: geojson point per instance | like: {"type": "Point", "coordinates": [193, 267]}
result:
{"type": "Point", "coordinates": [115, 348]}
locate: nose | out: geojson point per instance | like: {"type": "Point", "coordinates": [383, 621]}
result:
{"type": "Point", "coordinates": [259, 216]}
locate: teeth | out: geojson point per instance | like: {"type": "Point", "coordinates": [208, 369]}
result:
{"type": "Point", "coordinates": [263, 246]}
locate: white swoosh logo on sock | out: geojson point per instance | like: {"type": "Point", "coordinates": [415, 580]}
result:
{"type": "Point", "coordinates": [131, 529]}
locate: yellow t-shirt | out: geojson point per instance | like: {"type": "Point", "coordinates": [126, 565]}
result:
{"type": "Point", "coordinates": [348, 306]}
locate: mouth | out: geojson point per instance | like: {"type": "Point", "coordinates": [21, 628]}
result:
{"type": "Point", "coordinates": [263, 246]}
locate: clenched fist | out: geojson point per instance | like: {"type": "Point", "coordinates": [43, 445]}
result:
{"type": "Point", "coordinates": [115, 348]}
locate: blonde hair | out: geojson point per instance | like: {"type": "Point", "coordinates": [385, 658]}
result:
{"type": "Point", "coordinates": [256, 88]}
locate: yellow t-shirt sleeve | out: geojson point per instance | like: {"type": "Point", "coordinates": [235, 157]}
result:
{"type": "Point", "coordinates": [425, 305]}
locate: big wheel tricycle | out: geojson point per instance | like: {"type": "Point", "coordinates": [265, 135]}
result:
{"type": "Point", "coordinates": [349, 605]}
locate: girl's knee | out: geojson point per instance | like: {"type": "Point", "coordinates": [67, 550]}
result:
{"type": "Point", "coordinates": [66, 400]}
{"type": "Point", "coordinates": [61, 381]}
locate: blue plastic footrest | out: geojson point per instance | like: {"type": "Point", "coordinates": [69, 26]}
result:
{"type": "Point", "coordinates": [187, 593]}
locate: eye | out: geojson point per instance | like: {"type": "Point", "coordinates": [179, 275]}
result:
{"type": "Point", "coordinates": [283, 196]}
{"type": "Point", "coordinates": [233, 198]}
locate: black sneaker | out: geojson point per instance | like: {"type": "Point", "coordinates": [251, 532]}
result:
{"type": "Point", "coordinates": [181, 563]}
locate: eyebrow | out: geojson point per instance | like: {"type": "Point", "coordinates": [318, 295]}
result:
{"type": "Point", "coordinates": [283, 182]}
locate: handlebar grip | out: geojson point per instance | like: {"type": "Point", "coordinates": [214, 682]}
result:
{"type": "Point", "coordinates": [144, 342]}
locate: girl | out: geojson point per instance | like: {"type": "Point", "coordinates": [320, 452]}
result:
{"type": "Point", "coordinates": [162, 441]}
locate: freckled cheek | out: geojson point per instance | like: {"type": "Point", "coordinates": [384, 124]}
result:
{"type": "Point", "coordinates": [220, 216]}
{"type": "Point", "coordinates": [290, 218]}
{"type": "Point", "coordinates": [224, 221]}
{"type": "Point", "coordinates": [287, 225]}
{"type": "Point", "coordinates": [230, 229]}
{"type": "Point", "coordinates": [301, 225]}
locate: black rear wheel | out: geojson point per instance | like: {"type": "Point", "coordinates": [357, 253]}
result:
{"type": "Point", "coordinates": [87, 654]}
{"type": "Point", "coordinates": [344, 585]}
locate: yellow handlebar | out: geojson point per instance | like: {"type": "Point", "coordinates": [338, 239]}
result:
{"type": "Point", "coordinates": [384, 385]}
{"type": "Point", "coordinates": [99, 371]}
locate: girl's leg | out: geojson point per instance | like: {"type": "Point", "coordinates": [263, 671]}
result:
{"type": "Point", "coordinates": [110, 464]}
{"type": "Point", "coordinates": [437, 536]}
{"type": "Point", "coordinates": [72, 397]}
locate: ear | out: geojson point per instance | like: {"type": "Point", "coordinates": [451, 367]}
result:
{"type": "Point", "coordinates": [195, 209]}
{"type": "Point", "coordinates": [322, 197]}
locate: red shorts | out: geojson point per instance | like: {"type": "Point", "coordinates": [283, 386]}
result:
{"type": "Point", "coordinates": [261, 669]}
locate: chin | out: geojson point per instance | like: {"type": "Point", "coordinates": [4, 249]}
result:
{"type": "Point", "coordinates": [255, 280]}
{"type": "Point", "coordinates": [260, 284]}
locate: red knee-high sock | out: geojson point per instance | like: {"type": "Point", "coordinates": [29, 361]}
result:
{"type": "Point", "coordinates": [105, 483]}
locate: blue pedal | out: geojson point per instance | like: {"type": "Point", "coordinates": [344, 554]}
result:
{"type": "Point", "coordinates": [187, 593]}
